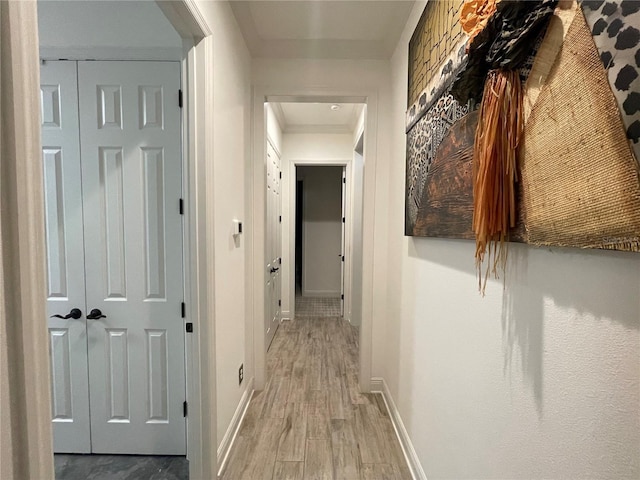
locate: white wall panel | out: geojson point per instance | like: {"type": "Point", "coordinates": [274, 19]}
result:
{"type": "Point", "coordinates": [62, 404]}
{"type": "Point", "coordinates": [151, 111]}
{"type": "Point", "coordinates": [158, 384]}
{"type": "Point", "coordinates": [154, 201]}
{"type": "Point", "coordinates": [111, 182]}
{"type": "Point", "coordinates": [117, 375]}
{"type": "Point", "coordinates": [50, 106]}
{"type": "Point", "coordinates": [109, 106]}
{"type": "Point", "coordinates": [55, 223]}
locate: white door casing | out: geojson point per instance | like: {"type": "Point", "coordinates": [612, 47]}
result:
{"type": "Point", "coordinates": [273, 245]}
{"type": "Point", "coordinates": [34, 449]}
{"type": "Point", "coordinates": [130, 124]}
{"type": "Point", "coordinates": [65, 257]}
{"type": "Point", "coordinates": [343, 240]}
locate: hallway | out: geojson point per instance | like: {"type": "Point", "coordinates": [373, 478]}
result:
{"type": "Point", "coordinates": [311, 422]}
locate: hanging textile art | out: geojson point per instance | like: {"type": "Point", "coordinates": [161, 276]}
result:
{"type": "Point", "coordinates": [579, 184]}
{"type": "Point", "coordinates": [575, 172]}
{"type": "Point", "coordinates": [436, 56]}
{"type": "Point", "coordinates": [615, 26]}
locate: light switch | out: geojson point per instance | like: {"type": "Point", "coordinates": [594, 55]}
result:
{"type": "Point", "coordinates": [237, 227]}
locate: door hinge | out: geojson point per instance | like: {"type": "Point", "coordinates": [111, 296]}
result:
{"type": "Point", "coordinates": [185, 408]}
{"type": "Point", "coordinates": [343, 258]}
{"type": "Point", "coordinates": [344, 180]}
{"type": "Point", "coordinates": [181, 206]}
{"type": "Point", "coordinates": [280, 174]}
{"type": "Point", "coordinates": [280, 260]}
{"type": "Point", "coordinates": [183, 309]}
{"type": "Point", "coordinates": [188, 327]}
{"type": "Point", "coordinates": [342, 219]}
{"type": "Point", "coordinates": [342, 297]}
{"type": "Point", "coordinates": [279, 303]}
{"type": "Point", "coordinates": [180, 98]}
{"type": "Point", "coordinates": [280, 218]}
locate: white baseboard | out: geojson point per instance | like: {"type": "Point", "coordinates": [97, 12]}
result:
{"type": "Point", "coordinates": [231, 433]}
{"type": "Point", "coordinates": [379, 385]}
{"type": "Point", "coordinates": [285, 316]}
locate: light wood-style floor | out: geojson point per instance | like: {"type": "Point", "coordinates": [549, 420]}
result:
{"type": "Point", "coordinates": [311, 422]}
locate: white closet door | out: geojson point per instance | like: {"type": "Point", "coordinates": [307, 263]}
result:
{"type": "Point", "coordinates": [131, 172]}
{"type": "Point", "coordinates": [65, 257]}
{"type": "Point", "coordinates": [343, 241]}
{"type": "Point", "coordinates": [272, 317]}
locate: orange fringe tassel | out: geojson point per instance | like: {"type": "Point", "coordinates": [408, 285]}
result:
{"type": "Point", "coordinates": [494, 170]}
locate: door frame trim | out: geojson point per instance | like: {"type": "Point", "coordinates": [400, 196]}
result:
{"type": "Point", "coordinates": [197, 144]}
{"type": "Point", "coordinates": [257, 255]}
{"type": "Point", "coordinates": [291, 231]}
{"type": "Point", "coordinates": [197, 149]}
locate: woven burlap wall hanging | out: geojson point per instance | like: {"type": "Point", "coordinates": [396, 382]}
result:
{"type": "Point", "coordinates": [577, 179]}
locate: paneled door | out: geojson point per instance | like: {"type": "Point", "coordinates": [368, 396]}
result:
{"type": "Point", "coordinates": [65, 257]}
{"type": "Point", "coordinates": [131, 180]}
{"type": "Point", "coordinates": [111, 155]}
{"type": "Point", "coordinates": [273, 226]}
{"type": "Point", "coordinates": [343, 238]}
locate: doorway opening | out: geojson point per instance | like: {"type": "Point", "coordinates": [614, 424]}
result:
{"type": "Point", "coordinates": [114, 186]}
{"type": "Point", "coordinates": [318, 175]}
{"type": "Point", "coordinates": [320, 241]}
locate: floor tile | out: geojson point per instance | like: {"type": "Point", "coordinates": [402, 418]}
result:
{"type": "Point", "coordinates": [321, 426]}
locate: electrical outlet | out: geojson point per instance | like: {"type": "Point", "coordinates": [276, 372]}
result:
{"type": "Point", "coordinates": [241, 374]}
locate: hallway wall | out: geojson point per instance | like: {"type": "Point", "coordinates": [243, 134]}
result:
{"type": "Point", "coordinates": [68, 26]}
{"type": "Point", "coordinates": [322, 231]}
{"type": "Point", "coordinates": [231, 141]}
{"type": "Point", "coordinates": [274, 129]}
{"type": "Point", "coordinates": [540, 379]}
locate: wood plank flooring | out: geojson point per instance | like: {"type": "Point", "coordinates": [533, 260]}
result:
{"type": "Point", "coordinates": [311, 422]}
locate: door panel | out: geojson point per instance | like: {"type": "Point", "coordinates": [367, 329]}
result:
{"type": "Point", "coordinates": [272, 317]}
{"type": "Point", "coordinates": [65, 256]}
{"type": "Point", "coordinates": [343, 238]}
{"type": "Point", "coordinates": [131, 176]}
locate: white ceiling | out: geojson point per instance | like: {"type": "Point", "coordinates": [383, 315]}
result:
{"type": "Point", "coordinates": [322, 29]}
{"type": "Point", "coordinates": [317, 117]}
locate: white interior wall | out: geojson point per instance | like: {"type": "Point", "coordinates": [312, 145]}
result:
{"type": "Point", "coordinates": [354, 304]}
{"type": "Point", "coordinates": [274, 129]}
{"type": "Point", "coordinates": [321, 231]}
{"type": "Point", "coordinates": [65, 26]}
{"type": "Point", "coordinates": [540, 379]}
{"type": "Point", "coordinates": [231, 160]}
{"type": "Point", "coordinates": [306, 147]}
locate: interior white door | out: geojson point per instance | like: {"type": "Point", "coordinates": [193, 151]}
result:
{"type": "Point", "coordinates": [131, 177]}
{"type": "Point", "coordinates": [343, 239]}
{"type": "Point", "coordinates": [65, 257]}
{"type": "Point", "coordinates": [273, 247]}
